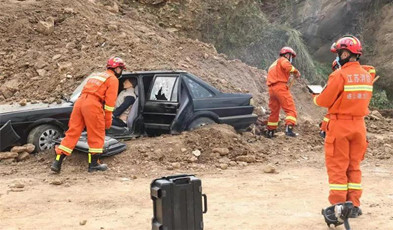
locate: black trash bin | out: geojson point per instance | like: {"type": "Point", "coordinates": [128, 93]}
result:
{"type": "Point", "coordinates": [177, 203]}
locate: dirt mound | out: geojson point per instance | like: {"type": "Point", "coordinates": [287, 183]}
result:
{"type": "Point", "coordinates": [67, 40]}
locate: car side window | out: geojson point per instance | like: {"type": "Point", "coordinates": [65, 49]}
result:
{"type": "Point", "coordinates": [198, 91]}
{"type": "Point", "coordinates": [164, 89]}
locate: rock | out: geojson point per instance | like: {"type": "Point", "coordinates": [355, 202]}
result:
{"type": "Point", "coordinates": [41, 72]}
{"type": "Point", "coordinates": [183, 150]}
{"type": "Point", "coordinates": [64, 65]}
{"type": "Point", "coordinates": [112, 27]}
{"type": "Point", "coordinates": [269, 169]}
{"type": "Point", "coordinates": [223, 166]}
{"type": "Point", "coordinates": [232, 163]}
{"type": "Point", "coordinates": [196, 152]}
{"type": "Point", "coordinates": [176, 165]}
{"type": "Point", "coordinates": [19, 149]}
{"type": "Point", "coordinates": [169, 167]}
{"type": "Point", "coordinates": [29, 148]}
{"type": "Point", "coordinates": [23, 156]}
{"type": "Point", "coordinates": [171, 30]}
{"type": "Point", "coordinates": [8, 155]}
{"type": "Point", "coordinates": [40, 64]}
{"type": "Point", "coordinates": [241, 163]}
{"type": "Point", "coordinates": [114, 8]}
{"type": "Point", "coordinates": [17, 185]}
{"type": "Point", "coordinates": [69, 10]}
{"type": "Point", "coordinates": [377, 114]}
{"type": "Point", "coordinates": [246, 158]}
{"type": "Point", "coordinates": [221, 151]}
{"type": "Point", "coordinates": [192, 159]}
{"type": "Point", "coordinates": [23, 102]}
{"type": "Point", "coordinates": [56, 182]}
{"type": "Point", "coordinates": [83, 222]}
{"type": "Point", "coordinates": [205, 56]}
{"type": "Point", "coordinates": [6, 93]}
{"type": "Point", "coordinates": [46, 27]}
{"type": "Point", "coordinates": [57, 56]}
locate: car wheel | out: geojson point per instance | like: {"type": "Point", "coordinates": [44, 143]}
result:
{"type": "Point", "coordinates": [44, 136]}
{"type": "Point", "coordinates": [200, 122]}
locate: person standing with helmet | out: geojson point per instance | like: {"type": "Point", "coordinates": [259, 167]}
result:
{"type": "Point", "coordinates": [93, 111]}
{"type": "Point", "coordinates": [279, 94]}
{"type": "Point", "coordinates": [347, 96]}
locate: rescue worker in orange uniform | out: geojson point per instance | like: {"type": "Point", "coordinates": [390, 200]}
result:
{"type": "Point", "coordinates": [93, 111]}
{"type": "Point", "coordinates": [347, 96]}
{"type": "Point", "coordinates": [335, 65]}
{"type": "Point", "coordinates": [279, 94]}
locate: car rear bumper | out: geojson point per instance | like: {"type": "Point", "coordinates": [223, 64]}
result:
{"type": "Point", "coordinates": [111, 145]}
{"type": "Point", "coordinates": [239, 122]}
{"type": "Point", "coordinates": [8, 136]}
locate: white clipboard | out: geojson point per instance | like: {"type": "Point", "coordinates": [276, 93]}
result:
{"type": "Point", "coordinates": [315, 89]}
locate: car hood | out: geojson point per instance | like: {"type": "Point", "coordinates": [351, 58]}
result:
{"type": "Point", "coordinates": [31, 107]}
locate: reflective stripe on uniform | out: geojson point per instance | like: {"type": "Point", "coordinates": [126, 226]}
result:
{"type": "Point", "coordinates": [371, 71]}
{"type": "Point", "coordinates": [339, 187]}
{"type": "Point", "coordinates": [65, 149]}
{"type": "Point", "coordinates": [109, 108]}
{"type": "Point", "coordinates": [272, 65]}
{"type": "Point", "coordinates": [99, 78]}
{"type": "Point", "coordinates": [351, 88]}
{"type": "Point", "coordinates": [95, 150]}
{"type": "Point", "coordinates": [315, 100]}
{"type": "Point", "coordinates": [326, 119]}
{"type": "Point", "coordinates": [291, 118]}
{"type": "Point", "coordinates": [354, 186]}
{"type": "Point", "coordinates": [58, 157]}
{"type": "Point", "coordinates": [292, 70]}
{"type": "Point", "coordinates": [272, 123]}
{"type": "Point", "coordinates": [89, 160]}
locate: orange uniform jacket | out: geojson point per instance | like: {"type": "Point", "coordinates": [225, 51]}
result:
{"type": "Point", "coordinates": [105, 86]}
{"type": "Point", "coordinates": [279, 71]}
{"type": "Point", "coordinates": [348, 91]}
{"type": "Point", "coordinates": [371, 70]}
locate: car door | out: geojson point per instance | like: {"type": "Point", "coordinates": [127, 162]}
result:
{"type": "Point", "coordinates": [161, 102]}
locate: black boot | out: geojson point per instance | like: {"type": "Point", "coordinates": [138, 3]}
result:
{"type": "Point", "coordinates": [289, 131]}
{"type": "Point", "coordinates": [56, 165]}
{"type": "Point", "coordinates": [270, 133]}
{"type": "Point", "coordinates": [94, 163]}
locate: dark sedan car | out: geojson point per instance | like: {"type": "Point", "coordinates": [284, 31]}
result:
{"type": "Point", "coordinates": [167, 102]}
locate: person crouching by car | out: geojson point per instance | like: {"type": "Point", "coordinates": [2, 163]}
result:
{"type": "Point", "coordinates": [124, 102]}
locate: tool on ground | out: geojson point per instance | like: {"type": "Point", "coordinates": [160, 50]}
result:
{"type": "Point", "coordinates": [177, 203]}
{"type": "Point", "coordinates": [338, 214]}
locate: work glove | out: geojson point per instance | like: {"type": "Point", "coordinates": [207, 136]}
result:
{"type": "Point", "coordinates": [108, 120]}
{"type": "Point", "coordinates": [297, 74]}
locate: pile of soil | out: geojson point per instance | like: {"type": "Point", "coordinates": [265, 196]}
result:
{"type": "Point", "coordinates": [67, 40]}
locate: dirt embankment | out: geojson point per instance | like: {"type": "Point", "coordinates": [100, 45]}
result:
{"type": "Point", "coordinates": [49, 46]}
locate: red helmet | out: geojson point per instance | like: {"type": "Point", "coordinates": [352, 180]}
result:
{"type": "Point", "coordinates": [114, 62]}
{"type": "Point", "coordinates": [350, 43]}
{"type": "Point", "coordinates": [286, 50]}
{"type": "Point", "coordinates": [335, 65]}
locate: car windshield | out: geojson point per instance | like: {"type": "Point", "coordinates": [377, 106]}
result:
{"type": "Point", "coordinates": [78, 89]}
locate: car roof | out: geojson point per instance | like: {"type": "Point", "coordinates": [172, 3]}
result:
{"type": "Point", "coordinates": [155, 72]}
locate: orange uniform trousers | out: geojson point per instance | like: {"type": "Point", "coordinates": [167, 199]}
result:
{"type": "Point", "coordinates": [280, 97]}
{"type": "Point", "coordinates": [345, 147]}
{"type": "Point", "coordinates": [87, 112]}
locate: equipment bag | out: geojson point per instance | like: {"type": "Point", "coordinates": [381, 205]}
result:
{"type": "Point", "coordinates": [177, 203]}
